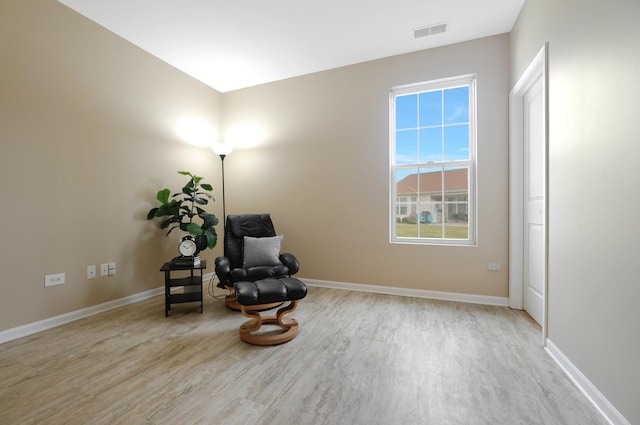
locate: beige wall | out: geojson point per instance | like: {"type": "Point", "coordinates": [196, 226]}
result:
{"type": "Point", "coordinates": [594, 98]}
{"type": "Point", "coordinates": [87, 135]}
{"type": "Point", "coordinates": [322, 170]}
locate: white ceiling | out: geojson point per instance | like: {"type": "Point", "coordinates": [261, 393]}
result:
{"type": "Point", "coordinates": [232, 44]}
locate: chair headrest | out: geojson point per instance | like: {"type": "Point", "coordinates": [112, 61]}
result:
{"type": "Point", "coordinates": [254, 225]}
{"type": "Point", "coordinates": [239, 226]}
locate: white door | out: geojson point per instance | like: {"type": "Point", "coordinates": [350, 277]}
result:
{"type": "Point", "coordinates": [534, 198]}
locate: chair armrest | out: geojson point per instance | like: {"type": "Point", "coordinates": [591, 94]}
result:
{"type": "Point", "coordinates": [237, 275]}
{"type": "Point", "coordinates": [223, 270]}
{"type": "Point", "coordinates": [291, 262]}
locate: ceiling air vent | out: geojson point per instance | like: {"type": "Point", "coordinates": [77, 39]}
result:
{"type": "Point", "coordinates": [430, 30]}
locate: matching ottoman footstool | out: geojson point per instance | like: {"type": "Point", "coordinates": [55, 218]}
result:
{"type": "Point", "coordinates": [268, 291]}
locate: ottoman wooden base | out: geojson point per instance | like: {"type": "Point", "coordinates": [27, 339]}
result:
{"type": "Point", "coordinates": [252, 298]}
{"type": "Point", "coordinates": [288, 328]}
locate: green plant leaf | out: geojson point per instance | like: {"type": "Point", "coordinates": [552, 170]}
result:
{"type": "Point", "coordinates": [163, 196]}
{"type": "Point", "coordinates": [206, 186]}
{"type": "Point", "coordinates": [212, 238]}
{"type": "Point", "coordinates": [205, 194]}
{"type": "Point", "coordinates": [194, 229]}
{"type": "Point", "coordinates": [152, 213]}
{"type": "Point", "coordinates": [175, 207]}
{"type": "Point", "coordinates": [185, 173]}
{"type": "Point", "coordinates": [197, 179]}
{"type": "Point", "coordinates": [201, 242]}
{"type": "Point", "coordinates": [208, 221]}
{"type": "Point", "coordinates": [164, 209]}
{"type": "Point", "coordinates": [172, 229]}
{"type": "Point", "coordinates": [200, 201]}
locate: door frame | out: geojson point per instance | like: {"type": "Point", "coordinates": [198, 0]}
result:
{"type": "Point", "coordinates": [537, 69]}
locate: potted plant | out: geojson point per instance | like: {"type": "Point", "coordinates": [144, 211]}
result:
{"type": "Point", "coordinates": [183, 210]}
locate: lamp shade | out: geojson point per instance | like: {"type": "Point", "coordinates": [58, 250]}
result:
{"type": "Point", "coordinates": [222, 148]}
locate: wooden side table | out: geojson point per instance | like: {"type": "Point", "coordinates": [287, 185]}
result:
{"type": "Point", "coordinates": [192, 285]}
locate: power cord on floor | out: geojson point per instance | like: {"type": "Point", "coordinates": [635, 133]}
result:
{"type": "Point", "coordinates": [211, 288]}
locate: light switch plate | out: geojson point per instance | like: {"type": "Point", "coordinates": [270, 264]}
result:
{"type": "Point", "coordinates": [54, 279]}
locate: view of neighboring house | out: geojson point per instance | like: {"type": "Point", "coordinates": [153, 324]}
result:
{"type": "Point", "coordinates": [434, 196]}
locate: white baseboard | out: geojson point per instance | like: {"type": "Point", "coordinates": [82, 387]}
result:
{"type": "Point", "coordinates": [52, 322]}
{"type": "Point", "coordinates": [406, 292]}
{"type": "Point", "coordinates": [607, 409]}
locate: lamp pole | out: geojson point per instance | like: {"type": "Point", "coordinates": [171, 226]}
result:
{"type": "Point", "coordinates": [224, 214]}
{"type": "Point", "coordinates": [222, 150]}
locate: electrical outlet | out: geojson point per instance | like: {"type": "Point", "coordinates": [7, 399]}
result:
{"type": "Point", "coordinates": [493, 266]}
{"type": "Point", "coordinates": [104, 269]}
{"type": "Point", "coordinates": [54, 279]}
{"type": "Point", "coordinates": [112, 269]}
{"type": "Point", "coordinates": [91, 272]}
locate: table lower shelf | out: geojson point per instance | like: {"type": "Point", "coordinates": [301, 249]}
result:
{"type": "Point", "coordinates": [185, 281]}
{"type": "Point", "coordinates": [187, 297]}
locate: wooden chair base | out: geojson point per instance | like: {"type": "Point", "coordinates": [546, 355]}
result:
{"type": "Point", "coordinates": [249, 329]}
{"type": "Point", "coordinates": [233, 304]}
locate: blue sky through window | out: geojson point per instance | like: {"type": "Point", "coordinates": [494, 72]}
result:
{"type": "Point", "coordinates": [432, 126]}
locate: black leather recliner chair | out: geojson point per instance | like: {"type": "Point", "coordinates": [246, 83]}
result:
{"type": "Point", "coordinates": [233, 266]}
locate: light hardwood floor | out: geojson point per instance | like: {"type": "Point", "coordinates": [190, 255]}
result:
{"type": "Point", "coordinates": [359, 359]}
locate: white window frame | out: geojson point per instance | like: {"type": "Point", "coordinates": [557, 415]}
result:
{"type": "Point", "coordinates": [445, 83]}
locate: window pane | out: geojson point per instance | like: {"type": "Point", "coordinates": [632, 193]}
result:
{"type": "Point", "coordinates": [436, 229]}
{"type": "Point", "coordinates": [406, 146]}
{"type": "Point", "coordinates": [456, 142]}
{"type": "Point", "coordinates": [455, 213]}
{"type": "Point", "coordinates": [407, 111]}
{"type": "Point", "coordinates": [431, 144]}
{"type": "Point", "coordinates": [407, 203]}
{"type": "Point", "coordinates": [456, 105]}
{"type": "Point", "coordinates": [430, 205]}
{"type": "Point", "coordinates": [406, 184]}
{"type": "Point", "coordinates": [431, 108]}
{"type": "Point", "coordinates": [433, 203]}
{"type": "Point", "coordinates": [429, 217]}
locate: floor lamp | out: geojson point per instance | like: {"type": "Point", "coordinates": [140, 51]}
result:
{"type": "Point", "coordinates": [222, 150]}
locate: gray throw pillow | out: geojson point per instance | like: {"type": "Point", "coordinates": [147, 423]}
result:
{"type": "Point", "coordinates": [262, 251]}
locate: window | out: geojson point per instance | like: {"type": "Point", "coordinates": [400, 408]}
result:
{"type": "Point", "coordinates": [432, 176]}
